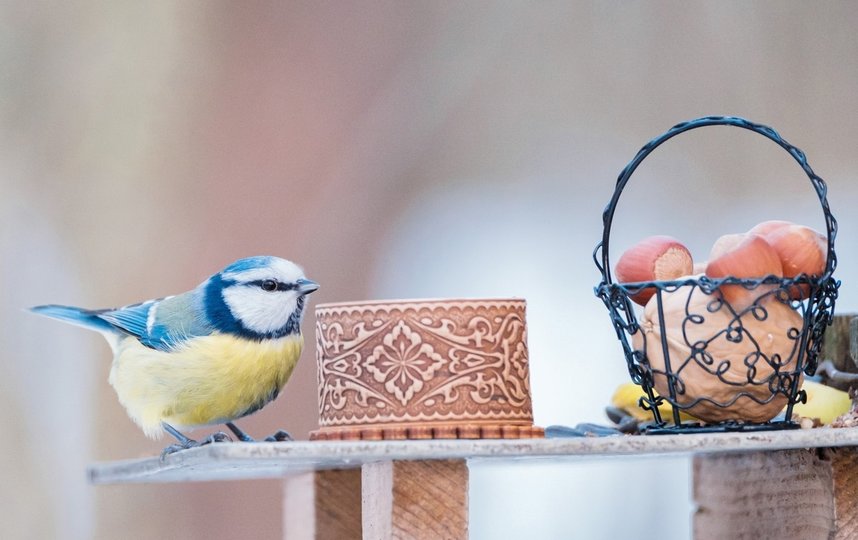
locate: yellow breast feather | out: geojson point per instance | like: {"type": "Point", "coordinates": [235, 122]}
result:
{"type": "Point", "coordinates": [210, 380]}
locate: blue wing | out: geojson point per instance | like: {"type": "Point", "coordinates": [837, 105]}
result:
{"type": "Point", "coordinates": [161, 324]}
{"type": "Point", "coordinates": [130, 319]}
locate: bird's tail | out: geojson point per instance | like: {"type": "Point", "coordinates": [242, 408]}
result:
{"type": "Point", "coordinates": [86, 318]}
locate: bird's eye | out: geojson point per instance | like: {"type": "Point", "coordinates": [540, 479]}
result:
{"type": "Point", "coordinates": [269, 285]}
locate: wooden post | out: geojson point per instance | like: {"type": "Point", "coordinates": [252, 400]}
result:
{"type": "Point", "coordinates": [840, 350]}
{"type": "Point", "coordinates": [844, 463]}
{"type": "Point", "coordinates": [415, 499]}
{"type": "Point", "coordinates": [786, 494]}
{"type": "Point", "coordinates": [323, 505]}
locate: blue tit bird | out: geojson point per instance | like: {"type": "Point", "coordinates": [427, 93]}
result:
{"type": "Point", "coordinates": [209, 356]}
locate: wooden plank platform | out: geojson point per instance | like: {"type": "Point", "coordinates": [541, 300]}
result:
{"type": "Point", "coordinates": [419, 489]}
{"type": "Point", "coordinates": [236, 461]}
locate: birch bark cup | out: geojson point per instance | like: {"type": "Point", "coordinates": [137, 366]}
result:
{"type": "Point", "coordinates": [423, 369]}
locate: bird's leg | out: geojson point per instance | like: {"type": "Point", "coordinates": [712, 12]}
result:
{"type": "Point", "coordinates": [183, 444]}
{"type": "Point", "coordinates": [242, 436]}
{"type": "Point", "coordinates": [184, 440]}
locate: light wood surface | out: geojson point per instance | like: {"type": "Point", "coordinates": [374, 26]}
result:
{"type": "Point", "coordinates": [784, 494]}
{"type": "Point", "coordinates": [844, 464]}
{"type": "Point", "coordinates": [323, 505]}
{"type": "Point", "coordinates": [415, 500]}
{"type": "Point", "coordinates": [789, 495]}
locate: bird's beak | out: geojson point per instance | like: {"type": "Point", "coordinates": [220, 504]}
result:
{"type": "Point", "coordinates": [306, 286]}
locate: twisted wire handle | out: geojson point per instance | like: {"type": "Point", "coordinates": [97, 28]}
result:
{"type": "Point", "coordinates": [600, 254]}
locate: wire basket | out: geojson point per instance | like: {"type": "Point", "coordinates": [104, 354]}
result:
{"type": "Point", "coordinates": [711, 356]}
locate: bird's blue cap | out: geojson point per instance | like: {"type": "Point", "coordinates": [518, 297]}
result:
{"type": "Point", "coordinates": [250, 263]}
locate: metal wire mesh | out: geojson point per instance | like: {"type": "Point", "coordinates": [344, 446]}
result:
{"type": "Point", "coordinates": [704, 356]}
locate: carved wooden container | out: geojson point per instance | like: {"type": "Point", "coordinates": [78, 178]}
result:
{"type": "Point", "coordinates": [423, 369]}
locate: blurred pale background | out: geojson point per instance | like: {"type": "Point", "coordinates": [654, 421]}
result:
{"type": "Point", "coordinates": [395, 149]}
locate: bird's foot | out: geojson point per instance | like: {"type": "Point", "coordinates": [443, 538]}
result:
{"type": "Point", "coordinates": [187, 443]}
{"type": "Point", "coordinates": [216, 437]}
{"type": "Point", "coordinates": [279, 436]}
{"type": "Point", "coordinates": [177, 447]}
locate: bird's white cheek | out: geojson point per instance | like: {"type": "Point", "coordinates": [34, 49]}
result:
{"type": "Point", "coordinates": [258, 310]}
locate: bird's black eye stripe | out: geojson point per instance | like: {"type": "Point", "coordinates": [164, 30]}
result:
{"type": "Point", "coordinates": [271, 285]}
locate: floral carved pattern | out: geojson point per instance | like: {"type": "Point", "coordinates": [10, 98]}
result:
{"type": "Point", "coordinates": [424, 361]}
{"type": "Point", "coordinates": [403, 362]}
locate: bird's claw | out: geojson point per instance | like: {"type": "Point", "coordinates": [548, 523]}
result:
{"type": "Point", "coordinates": [172, 449]}
{"type": "Point", "coordinates": [217, 437]}
{"type": "Point", "coordinates": [279, 436]}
